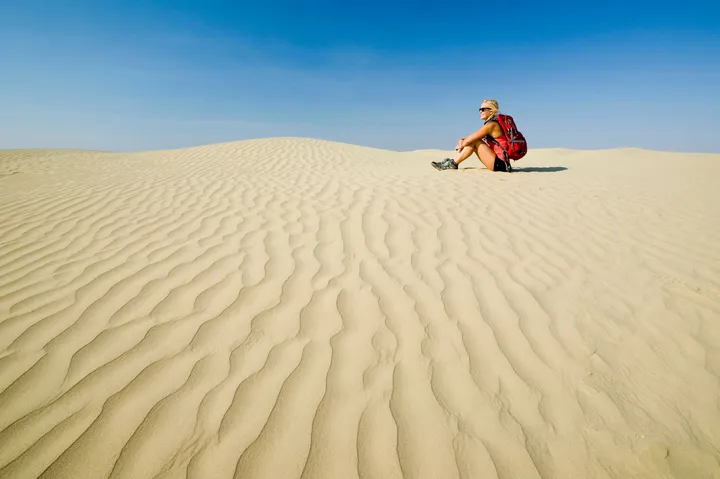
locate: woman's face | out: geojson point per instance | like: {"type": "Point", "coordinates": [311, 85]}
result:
{"type": "Point", "coordinates": [485, 111]}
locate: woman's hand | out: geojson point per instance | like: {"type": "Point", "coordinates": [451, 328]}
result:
{"type": "Point", "coordinates": [460, 144]}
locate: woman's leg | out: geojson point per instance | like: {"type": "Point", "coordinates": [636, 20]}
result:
{"type": "Point", "coordinates": [464, 154]}
{"type": "Point", "coordinates": [486, 155]}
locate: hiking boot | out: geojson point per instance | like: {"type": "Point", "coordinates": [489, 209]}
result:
{"type": "Point", "coordinates": [438, 163]}
{"type": "Point", "coordinates": [446, 164]}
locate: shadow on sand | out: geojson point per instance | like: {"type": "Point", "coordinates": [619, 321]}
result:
{"type": "Point", "coordinates": [539, 169]}
{"type": "Point", "coordinates": [529, 169]}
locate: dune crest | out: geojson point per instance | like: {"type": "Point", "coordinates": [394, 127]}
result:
{"type": "Point", "coordinates": [299, 308]}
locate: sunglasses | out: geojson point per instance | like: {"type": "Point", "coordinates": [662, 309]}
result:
{"type": "Point", "coordinates": [485, 109]}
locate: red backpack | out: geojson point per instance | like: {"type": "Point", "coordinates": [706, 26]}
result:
{"type": "Point", "coordinates": [517, 146]}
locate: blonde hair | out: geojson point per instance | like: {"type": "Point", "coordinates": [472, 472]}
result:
{"type": "Point", "coordinates": [494, 106]}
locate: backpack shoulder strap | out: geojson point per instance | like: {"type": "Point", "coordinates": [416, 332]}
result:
{"type": "Point", "coordinates": [492, 140]}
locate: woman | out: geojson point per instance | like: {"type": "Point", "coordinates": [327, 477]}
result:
{"type": "Point", "coordinates": [487, 143]}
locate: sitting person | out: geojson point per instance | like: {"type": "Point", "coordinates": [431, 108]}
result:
{"type": "Point", "coordinates": [488, 143]}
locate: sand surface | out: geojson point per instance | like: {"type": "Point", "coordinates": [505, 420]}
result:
{"type": "Point", "coordinates": [286, 308]}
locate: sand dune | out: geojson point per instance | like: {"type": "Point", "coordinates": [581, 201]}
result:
{"type": "Point", "coordinates": [287, 308]}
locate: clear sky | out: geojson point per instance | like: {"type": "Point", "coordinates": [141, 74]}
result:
{"type": "Point", "coordinates": [148, 74]}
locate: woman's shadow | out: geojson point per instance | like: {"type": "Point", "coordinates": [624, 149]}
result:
{"type": "Point", "coordinates": [527, 169]}
{"type": "Point", "coordinates": [539, 169]}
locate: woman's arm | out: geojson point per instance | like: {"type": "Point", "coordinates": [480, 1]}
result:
{"type": "Point", "coordinates": [478, 135]}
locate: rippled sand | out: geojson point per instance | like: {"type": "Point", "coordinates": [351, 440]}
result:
{"type": "Point", "coordinates": [287, 308]}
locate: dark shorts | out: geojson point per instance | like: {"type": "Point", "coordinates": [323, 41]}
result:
{"type": "Point", "coordinates": [500, 165]}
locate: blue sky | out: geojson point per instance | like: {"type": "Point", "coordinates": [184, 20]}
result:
{"type": "Point", "coordinates": [151, 74]}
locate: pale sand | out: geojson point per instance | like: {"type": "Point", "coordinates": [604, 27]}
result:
{"type": "Point", "coordinates": [287, 308]}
